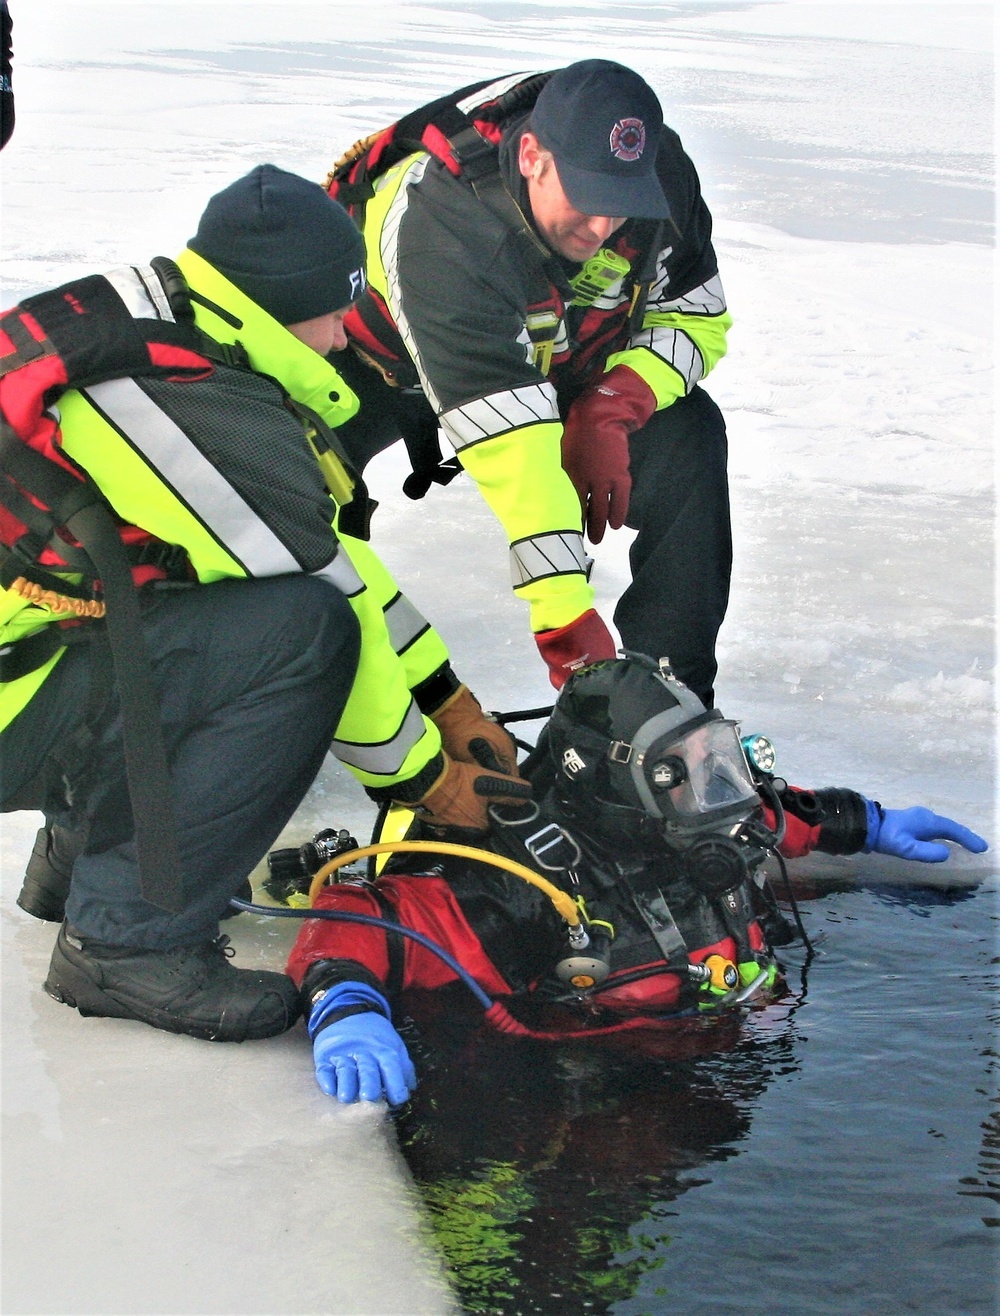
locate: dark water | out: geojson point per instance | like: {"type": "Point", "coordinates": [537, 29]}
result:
{"type": "Point", "coordinates": [836, 1152]}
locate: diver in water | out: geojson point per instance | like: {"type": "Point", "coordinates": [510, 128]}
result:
{"type": "Point", "coordinates": [631, 888]}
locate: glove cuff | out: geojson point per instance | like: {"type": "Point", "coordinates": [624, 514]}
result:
{"type": "Point", "coordinates": [633, 396]}
{"type": "Point", "coordinates": [322, 975]}
{"type": "Point", "coordinates": [413, 790]}
{"type": "Point", "coordinates": [843, 821]}
{"type": "Point", "coordinates": [437, 690]}
{"type": "Point", "coordinates": [569, 648]}
{"type": "Point", "coordinates": [346, 998]}
{"type": "Point", "coordinates": [875, 817]}
{"type": "Point", "coordinates": [459, 692]}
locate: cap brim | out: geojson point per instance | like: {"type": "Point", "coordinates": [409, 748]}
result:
{"type": "Point", "coordinates": [638, 197]}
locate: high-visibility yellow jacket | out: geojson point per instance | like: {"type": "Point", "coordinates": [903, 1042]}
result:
{"type": "Point", "coordinates": [455, 303]}
{"type": "Point", "coordinates": [222, 468]}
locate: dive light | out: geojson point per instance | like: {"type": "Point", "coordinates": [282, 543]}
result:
{"type": "Point", "coordinates": [760, 752]}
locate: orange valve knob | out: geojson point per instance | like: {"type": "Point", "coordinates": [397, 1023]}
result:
{"type": "Point", "coordinates": [725, 975]}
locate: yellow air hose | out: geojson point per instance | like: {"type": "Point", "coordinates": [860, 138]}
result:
{"type": "Point", "coordinates": [563, 902]}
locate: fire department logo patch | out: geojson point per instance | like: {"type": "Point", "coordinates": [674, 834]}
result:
{"type": "Point", "coordinates": [628, 139]}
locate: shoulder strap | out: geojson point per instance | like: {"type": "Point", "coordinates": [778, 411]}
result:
{"type": "Point", "coordinates": [87, 517]}
{"type": "Point", "coordinates": [83, 333]}
{"type": "Point", "coordinates": [460, 130]}
{"type": "Point", "coordinates": [646, 274]}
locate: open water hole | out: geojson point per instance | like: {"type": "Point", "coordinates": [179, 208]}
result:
{"type": "Point", "coordinates": [835, 1152]}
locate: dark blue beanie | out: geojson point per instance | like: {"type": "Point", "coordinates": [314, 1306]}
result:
{"type": "Point", "coordinates": [281, 240]}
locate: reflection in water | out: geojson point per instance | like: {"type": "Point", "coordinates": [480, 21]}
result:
{"type": "Point", "coordinates": [549, 1170]}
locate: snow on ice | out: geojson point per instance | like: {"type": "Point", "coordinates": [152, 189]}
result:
{"type": "Point", "coordinates": [845, 151]}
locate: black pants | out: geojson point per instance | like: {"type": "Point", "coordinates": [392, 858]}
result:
{"type": "Point", "coordinates": [253, 677]}
{"type": "Point", "coordinates": [682, 556]}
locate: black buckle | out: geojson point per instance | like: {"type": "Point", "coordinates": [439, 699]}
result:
{"type": "Point", "coordinates": [172, 559]}
{"type": "Point", "coordinates": [559, 848]}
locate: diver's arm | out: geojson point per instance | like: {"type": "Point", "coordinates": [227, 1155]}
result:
{"type": "Point", "coordinates": [840, 821]}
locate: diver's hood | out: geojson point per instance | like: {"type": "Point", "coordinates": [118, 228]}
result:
{"type": "Point", "coordinates": [634, 750]}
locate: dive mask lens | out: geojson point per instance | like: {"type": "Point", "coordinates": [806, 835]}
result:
{"type": "Point", "coordinates": [704, 772]}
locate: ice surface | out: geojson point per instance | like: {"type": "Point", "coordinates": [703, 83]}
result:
{"type": "Point", "coordinates": [846, 153]}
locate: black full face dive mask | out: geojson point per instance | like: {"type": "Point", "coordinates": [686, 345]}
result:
{"type": "Point", "coordinates": [644, 764]}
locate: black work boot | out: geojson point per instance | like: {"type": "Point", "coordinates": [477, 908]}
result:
{"type": "Point", "coordinates": [49, 871]}
{"type": "Point", "coordinates": [189, 989]}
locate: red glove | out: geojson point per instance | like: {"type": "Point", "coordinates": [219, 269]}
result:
{"type": "Point", "coordinates": [586, 640]}
{"type": "Point", "coordinates": [595, 446]}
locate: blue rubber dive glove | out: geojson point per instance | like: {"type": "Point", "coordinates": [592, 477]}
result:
{"type": "Point", "coordinates": [909, 834]}
{"type": "Point", "coordinates": [360, 1057]}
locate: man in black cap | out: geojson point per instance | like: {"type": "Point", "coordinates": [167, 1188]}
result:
{"type": "Point", "coordinates": [542, 279]}
{"type": "Point", "coordinates": [264, 636]}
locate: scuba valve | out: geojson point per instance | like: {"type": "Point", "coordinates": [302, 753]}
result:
{"type": "Point", "coordinates": [588, 961]}
{"type": "Point", "coordinates": [290, 872]}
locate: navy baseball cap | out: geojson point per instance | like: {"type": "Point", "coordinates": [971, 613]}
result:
{"type": "Point", "coordinates": [602, 123]}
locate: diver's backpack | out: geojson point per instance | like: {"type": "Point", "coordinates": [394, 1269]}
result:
{"type": "Point", "coordinates": [55, 520]}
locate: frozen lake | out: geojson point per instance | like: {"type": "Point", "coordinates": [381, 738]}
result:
{"type": "Point", "coordinates": [846, 153]}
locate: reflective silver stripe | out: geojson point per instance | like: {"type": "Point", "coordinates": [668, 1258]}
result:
{"type": "Point", "coordinates": [192, 477]}
{"type": "Point", "coordinates": [555, 554]}
{"type": "Point", "coordinates": [387, 759]}
{"type": "Point", "coordinates": [499, 413]}
{"type": "Point", "coordinates": [404, 623]}
{"type": "Point", "coordinates": [341, 572]}
{"type": "Point", "coordinates": [494, 90]}
{"type": "Point", "coordinates": [708, 299]}
{"type": "Point", "coordinates": [389, 252]}
{"type": "Point", "coordinates": [676, 348]}
{"type": "Point", "coordinates": [141, 291]}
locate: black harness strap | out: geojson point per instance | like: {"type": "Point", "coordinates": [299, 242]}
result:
{"type": "Point", "coordinates": [645, 277]}
{"type": "Point", "coordinates": [79, 506]}
{"type": "Point", "coordinates": [27, 655]}
{"type": "Point", "coordinates": [149, 784]}
{"type": "Point", "coordinates": [655, 913]}
{"type": "Point", "coordinates": [394, 946]}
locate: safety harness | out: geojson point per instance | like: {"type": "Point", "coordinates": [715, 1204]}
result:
{"type": "Point", "coordinates": [54, 520]}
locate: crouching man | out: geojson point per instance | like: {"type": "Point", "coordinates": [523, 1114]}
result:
{"type": "Point", "coordinates": [190, 617]}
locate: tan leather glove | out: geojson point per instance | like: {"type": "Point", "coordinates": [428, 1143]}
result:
{"type": "Point", "coordinates": [469, 736]}
{"type": "Point", "coordinates": [460, 796]}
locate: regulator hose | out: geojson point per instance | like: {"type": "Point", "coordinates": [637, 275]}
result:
{"type": "Point", "coordinates": [563, 902]}
{"type": "Point", "coordinates": [496, 1013]}
{"type": "Point", "coordinates": [369, 920]}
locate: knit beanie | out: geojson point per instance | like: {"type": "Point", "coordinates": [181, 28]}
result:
{"type": "Point", "coordinates": [284, 243]}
